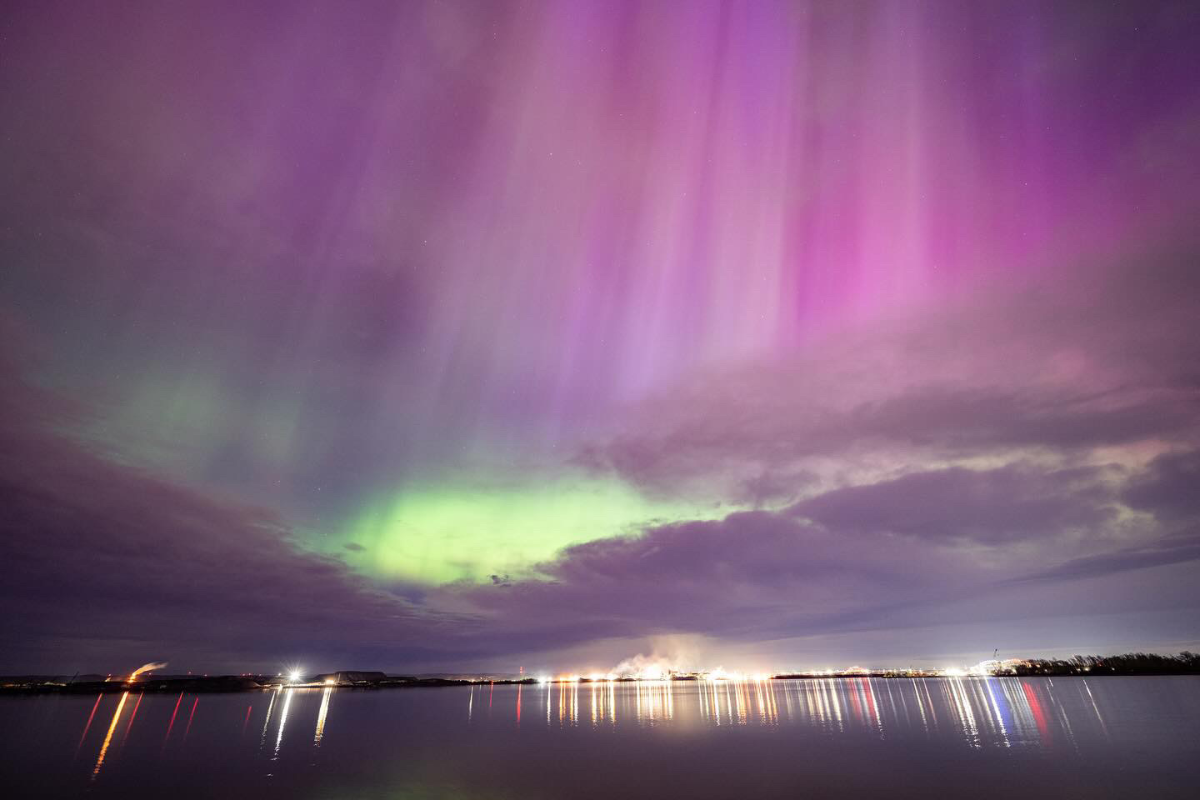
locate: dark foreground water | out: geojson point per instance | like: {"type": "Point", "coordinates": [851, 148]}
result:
{"type": "Point", "coordinates": [1065, 737]}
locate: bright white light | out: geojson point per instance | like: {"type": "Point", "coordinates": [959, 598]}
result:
{"type": "Point", "coordinates": [294, 676]}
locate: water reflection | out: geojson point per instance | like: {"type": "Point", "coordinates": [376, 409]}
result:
{"type": "Point", "coordinates": [604, 703]}
{"type": "Point", "coordinates": [980, 712]}
{"type": "Point", "coordinates": [108, 736]}
{"type": "Point", "coordinates": [267, 723]}
{"type": "Point", "coordinates": [88, 724]}
{"type": "Point", "coordinates": [975, 712]}
{"type": "Point", "coordinates": [132, 717]}
{"type": "Point", "coordinates": [1095, 708]}
{"type": "Point", "coordinates": [655, 702]}
{"type": "Point", "coordinates": [897, 722]}
{"type": "Point", "coordinates": [191, 716]}
{"type": "Point", "coordinates": [171, 724]}
{"type": "Point", "coordinates": [568, 703]}
{"type": "Point", "coordinates": [283, 715]}
{"type": "Point", "coordinates": [322, 714]}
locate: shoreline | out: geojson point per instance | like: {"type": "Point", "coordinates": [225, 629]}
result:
{"type": "Point", "coordinates": [242, 684]}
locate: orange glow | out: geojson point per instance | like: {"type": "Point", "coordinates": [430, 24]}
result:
{"type": "Point", "coordinates": [108, 736]}
{"type": "Point", "coordinates": [146, 668]}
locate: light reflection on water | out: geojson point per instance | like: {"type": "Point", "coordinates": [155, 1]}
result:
{"type": "Point", "coordinates": [324, 712]}
{"type": "Point", "coordinates": [108, 736]}
{"type": "Point", "coordinates": [328, 732]}
{"type": "Point", "coordinates": [978, 711]}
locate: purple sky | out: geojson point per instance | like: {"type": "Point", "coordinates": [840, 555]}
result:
{"type": "Point", "coordinates": [478, 335]}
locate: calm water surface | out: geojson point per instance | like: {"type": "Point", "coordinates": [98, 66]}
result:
{"type": "Point", "coordinates": [1071, 737]}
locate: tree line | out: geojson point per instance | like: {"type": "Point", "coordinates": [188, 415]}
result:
{"type": "Point", "coordinates": [1185, 663]}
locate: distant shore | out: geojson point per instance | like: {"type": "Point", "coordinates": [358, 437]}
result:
{"type": "Point", "coordinates": [216, 683]}
{"type": "Point", "coordinates": [1129, 664]}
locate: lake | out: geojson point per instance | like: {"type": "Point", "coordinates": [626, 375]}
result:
{"type": "Point", "coordinates": [989, 737]}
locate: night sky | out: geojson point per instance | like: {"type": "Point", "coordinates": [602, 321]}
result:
{"type": "Point", "coordinates": [480, 335]}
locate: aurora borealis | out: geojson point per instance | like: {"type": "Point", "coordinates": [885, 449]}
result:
{"type": "Point", "coordinates": [449, 335]}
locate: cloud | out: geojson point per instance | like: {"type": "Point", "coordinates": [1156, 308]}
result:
{"type": "Point", "coordinates": [1175, 549]}
{"type": "Point", "coordinates": [1169, 488]}
{"type": "Point", "coordinates": [924, 550]}
{"type": "Point", "coordinates": [750, 574]}
{"type": "Point", "coordinates": [984, 506]}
